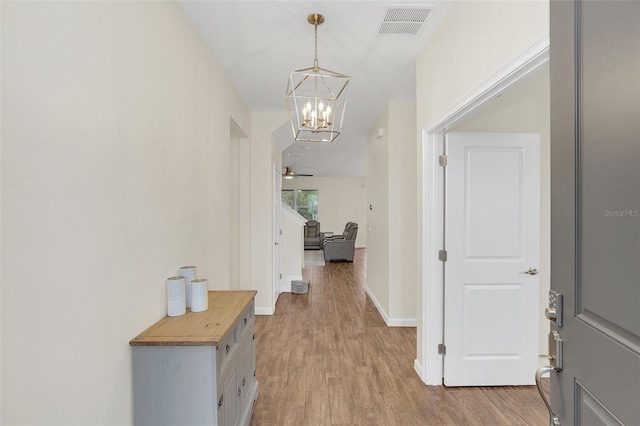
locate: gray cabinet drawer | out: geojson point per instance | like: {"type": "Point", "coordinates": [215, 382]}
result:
{"type": "Point", "coordinates": [226, 348]}
{"type": "Point", "coordinates": [247, 320]}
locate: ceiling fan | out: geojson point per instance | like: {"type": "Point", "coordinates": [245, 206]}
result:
{"type": "Point", "coordinates": [290, 174]}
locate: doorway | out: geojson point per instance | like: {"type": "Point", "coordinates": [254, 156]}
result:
{"type": "Point", "coordinates": [500, 108]}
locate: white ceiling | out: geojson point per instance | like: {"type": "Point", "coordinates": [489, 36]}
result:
{"type": "Point", "coordinates": [259, 42]}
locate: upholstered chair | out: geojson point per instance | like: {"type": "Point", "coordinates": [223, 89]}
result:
{"type": "Point", "coordinates": [312, 236]}
{"type": "Point", "coordinates": [341, 247]}
{"type": "Point", "coordinates": [338, 236]}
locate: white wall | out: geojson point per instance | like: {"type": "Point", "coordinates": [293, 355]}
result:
{"type": "Point", "coordinates": [391, 265]}
{"type": "Point", "coordinates": [115, 148]}
{"type": "Point", "coordinates": [526, 109]}
{"type": "Point", "coordinates": [474, 41]}
{"type": "Point", "coordinates": [292, 246]}
{"type": "Point", "coordinates": [341, 200]}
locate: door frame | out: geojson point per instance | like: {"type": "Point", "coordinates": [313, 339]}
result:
{"type": "Point", "coordinates": [430, 366]}
{"type": "Point", "coordinates": [276, 253]}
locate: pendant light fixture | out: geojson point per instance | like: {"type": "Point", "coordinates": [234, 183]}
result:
{"type": "Point", "coordinates": [316, 98]}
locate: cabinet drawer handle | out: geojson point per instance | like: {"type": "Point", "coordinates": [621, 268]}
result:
{"type": "Point", "coordinates": [228, 347]}
{"type": "Point", "coordinates": [245, 321]}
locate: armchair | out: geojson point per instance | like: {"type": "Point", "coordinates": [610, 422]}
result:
{"type": "Point", "coordinates": [338, 248]}
{"type": "Point", "coordinates": [312, 236]}
{"type": "Point", "coordinates": [338, 236]}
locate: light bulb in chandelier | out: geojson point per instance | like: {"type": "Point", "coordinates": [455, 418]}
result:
{"type": "Point", "coordinates": [317, 117]}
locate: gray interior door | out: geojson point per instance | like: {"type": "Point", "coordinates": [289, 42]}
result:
{"type": "Point", "coordinates": [595, 136]}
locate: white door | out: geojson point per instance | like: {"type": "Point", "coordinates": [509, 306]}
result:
{"type": "Point", "coordinates": [492, 236]}
{"type": "Point", "coordinates": [277, 201]}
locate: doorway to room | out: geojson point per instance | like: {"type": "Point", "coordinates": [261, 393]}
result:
{"type": "Point", "coordinates": [516, 102]}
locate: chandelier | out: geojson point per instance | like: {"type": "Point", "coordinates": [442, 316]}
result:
{"type": "Point", "coordinates": [316, 98]}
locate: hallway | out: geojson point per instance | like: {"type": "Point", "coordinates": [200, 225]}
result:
{"type": "Point", "coordinates": [327, 358]}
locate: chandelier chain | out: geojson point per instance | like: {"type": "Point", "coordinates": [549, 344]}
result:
{"type": "Point", "coordinates": [315, 52]}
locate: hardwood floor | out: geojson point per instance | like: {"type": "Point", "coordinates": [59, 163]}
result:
{"type": "Point", "coordinates": [327, 358]}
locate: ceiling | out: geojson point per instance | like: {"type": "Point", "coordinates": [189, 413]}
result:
{"type": "Point", "coordinates": [258, 43]}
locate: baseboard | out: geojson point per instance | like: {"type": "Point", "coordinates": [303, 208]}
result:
{"type": "Point", "coordinates": [379, 307]}
{"type": "Point", "coordinates": [391, 322]}
{"type": "Point", "coordinates": [402, 322]}
{"type": "Point", "coordinates": [264, 311]}
{"type": "Point", "coordinates": [419, 369]}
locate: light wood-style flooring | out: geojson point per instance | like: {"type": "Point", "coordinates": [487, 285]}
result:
{"type": "Point", "coordinates": [327, 358]}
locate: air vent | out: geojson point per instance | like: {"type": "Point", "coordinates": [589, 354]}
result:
{"type": "Point", "coordinates": [406, 21]}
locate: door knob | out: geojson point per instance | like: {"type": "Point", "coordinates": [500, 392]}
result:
{"type": "Point", "coordinates": [554, 311]}
{"type": "Point", "coordinates": [551, 314]}
{"type": "Point", "coordinates": [531, 271]}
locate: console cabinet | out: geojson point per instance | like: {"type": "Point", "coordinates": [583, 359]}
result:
{"type": "Point", "coordinates": [198, 368]}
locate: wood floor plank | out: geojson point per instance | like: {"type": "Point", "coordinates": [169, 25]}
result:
{"type": "Point", "coordinates": [341, 401]}
{"type": "Point", "coordinates": [317, 410]}
{"type": "Point", "coordinates": [328, 358]}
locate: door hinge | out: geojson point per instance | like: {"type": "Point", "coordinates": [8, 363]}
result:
{"type": "Point", "coordinates": [442, 349]}
{"type": "Point", "coordinates": [443, 160]}
{"type": "Point", "coordinates": [281, 232]}
{"type": "Point", "coordinates": [442, 255]}
{"type": "Point", "coordinates": [280, 276]}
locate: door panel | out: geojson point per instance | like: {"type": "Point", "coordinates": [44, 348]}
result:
{"type": "Point", "coordinates": [610, 200]}
{"type": "Point", "coordinates": [492, 236]}
{"type": "Point", "coordinates": [591, 411]}
{"type": "Point", "coordinates": [485, 306]}
{"type": "Point", "coordinates": [595, 134]}
{"type": "Point", "coordinates": [493, 224]}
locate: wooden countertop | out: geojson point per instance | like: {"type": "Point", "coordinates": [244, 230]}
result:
{"type": "Point", "coordinates": [207, 328]}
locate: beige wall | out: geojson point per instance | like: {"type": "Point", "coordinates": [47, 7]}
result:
{"type": "Point", "coordinates": [402, 213]}
{"type": "Point", "coordinates": [378, 212]}
{"type": "Point", "coordinates": [239, 208]}
{"type": "Point", "coordinates": [391, 265]}
{"type": "Point", "coordinates": [341, 200]}
{"type": "Point", "coordinates": [115, 168]}
{"type": "Point", "coordinates": [526, 109]}
{"type": "Point", "coordinates": [475, 41]}
{"type": "Point", "coordinates": [264, 155]}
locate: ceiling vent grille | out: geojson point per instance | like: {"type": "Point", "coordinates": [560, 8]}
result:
{"type": "Point", "coordinates": [407, 21]}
